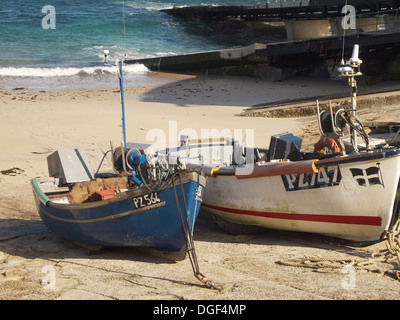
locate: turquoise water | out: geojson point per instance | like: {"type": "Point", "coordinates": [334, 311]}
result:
{"type": "Point", "coordinates": [84, 28]}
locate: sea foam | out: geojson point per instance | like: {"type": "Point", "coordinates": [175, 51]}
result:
{"type": "Point", "coordinates": [72, 71]}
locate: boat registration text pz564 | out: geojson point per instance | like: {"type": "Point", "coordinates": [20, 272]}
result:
{"type": "Point", "coordinates": [146, 200]}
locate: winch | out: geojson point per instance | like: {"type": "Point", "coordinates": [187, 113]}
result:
{"type": "Point", "coordinates": [140, 167]}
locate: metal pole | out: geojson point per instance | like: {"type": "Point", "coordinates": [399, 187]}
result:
{"type": "Point", "coordinates": [121, 87]}
{"type": "Point", "coordinates": [354, 109]}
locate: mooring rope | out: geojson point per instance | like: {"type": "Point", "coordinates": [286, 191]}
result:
{"type": "Point", "coordinates": [393, 246]}
{"type": "Point", "coordinates": [333, 265]}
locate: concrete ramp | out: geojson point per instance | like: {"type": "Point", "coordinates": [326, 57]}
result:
{"type": "Point", "coordinates": [201, 60]}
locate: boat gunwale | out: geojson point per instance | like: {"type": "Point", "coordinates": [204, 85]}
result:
{"type": "Point", "coordinates": [213, 171]}
{"type": "Point", "coordinates": [357, 157]}
{"type": "Point", "coordinates": [125, 195]}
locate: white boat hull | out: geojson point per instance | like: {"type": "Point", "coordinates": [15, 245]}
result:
{"type": "Point", "coordinates": [350, 197]}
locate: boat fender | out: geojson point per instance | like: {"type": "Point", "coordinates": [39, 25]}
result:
{"type": "Point", "coordinates": [326, 142]}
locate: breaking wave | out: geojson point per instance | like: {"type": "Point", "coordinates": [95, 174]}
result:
{"type": "Point", "coordinates": [134, 69]}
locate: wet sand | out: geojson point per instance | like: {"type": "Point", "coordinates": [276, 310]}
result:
{"type": "Point", "coordinates": [37, 264]}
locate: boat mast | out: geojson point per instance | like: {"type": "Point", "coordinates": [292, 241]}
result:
{"type": "Point", "coordinates": [121, 87]}
{"type": "Point", "coordinates": [351, 70]}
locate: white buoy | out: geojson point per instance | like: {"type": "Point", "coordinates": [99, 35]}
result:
{"type": "Point", "coordinates": [106, 53]}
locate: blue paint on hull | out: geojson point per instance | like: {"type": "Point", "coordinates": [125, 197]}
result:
{"type": "Point", "coordinates": [118, 223]}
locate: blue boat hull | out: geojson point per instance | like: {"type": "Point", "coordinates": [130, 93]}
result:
{"type": "Point", "coordinates": [118, 221]}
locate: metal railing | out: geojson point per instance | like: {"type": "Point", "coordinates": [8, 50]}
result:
{"type": "Point", "coordinates": [369, 22]}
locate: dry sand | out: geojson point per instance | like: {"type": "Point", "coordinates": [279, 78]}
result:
{"type": "Point", "coordinates": [33, 124]}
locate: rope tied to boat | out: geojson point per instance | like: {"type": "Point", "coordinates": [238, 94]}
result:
{"type": "Point", "coordinates": [188, 234]}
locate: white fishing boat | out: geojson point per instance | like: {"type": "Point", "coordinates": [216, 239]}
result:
{"type": "Point", "coordinates": [349, 192]}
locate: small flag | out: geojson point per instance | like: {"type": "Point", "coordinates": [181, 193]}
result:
{"type": "Point", "coordinates": [367, 177]}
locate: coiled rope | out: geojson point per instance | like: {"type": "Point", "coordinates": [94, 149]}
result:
{"type": "Point", "coordinates": [373, 264]}
{"type": "Point", "coordinates": [393, 246]}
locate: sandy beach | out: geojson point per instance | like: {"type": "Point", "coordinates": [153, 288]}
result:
{"type": "Point", "coordinates": [34, 124]}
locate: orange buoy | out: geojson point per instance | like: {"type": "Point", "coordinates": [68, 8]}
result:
{"type": "Point", "coordinates": [326, 142]}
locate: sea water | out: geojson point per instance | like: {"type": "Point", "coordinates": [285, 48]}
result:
{"type": "Point", "coordinates": [59, 44]}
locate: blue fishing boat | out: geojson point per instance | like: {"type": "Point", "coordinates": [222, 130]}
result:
{"type": "Point", "coordinates": [116, 211]}
{"type": "Point", "coordinates": [143, 201]}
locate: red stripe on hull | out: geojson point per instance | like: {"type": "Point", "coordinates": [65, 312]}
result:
{"type": "Point", "coordinates": [360, 220]}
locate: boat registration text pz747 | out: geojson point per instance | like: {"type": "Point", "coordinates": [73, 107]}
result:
{"type": "Point", "coordinates": [146, 200]}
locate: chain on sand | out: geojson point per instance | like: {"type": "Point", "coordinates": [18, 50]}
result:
{"type": "Point", "coordinates": [373, 264]}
